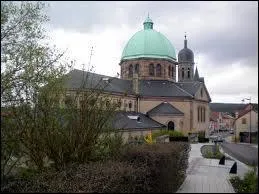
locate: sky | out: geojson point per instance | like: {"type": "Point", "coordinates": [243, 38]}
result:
{"type": "Point", "coordinates": [223, 36]}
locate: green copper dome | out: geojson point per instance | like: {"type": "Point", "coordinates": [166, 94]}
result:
{"type": "Point", "coordinates": [148, 43]}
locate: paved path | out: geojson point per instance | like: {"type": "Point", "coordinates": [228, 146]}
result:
{"type": "Point", "coordinates": [245, 153]}
{"type": "Point", "coordinates": [206, 175]}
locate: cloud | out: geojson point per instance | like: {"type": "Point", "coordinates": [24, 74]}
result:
{"type": "Point", "coordinates": [223, 36]}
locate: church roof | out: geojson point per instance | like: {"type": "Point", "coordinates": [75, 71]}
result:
{"type": "Point", "coordinates": [165, 108]}
{"type": "Point", "coordinates": [148, 43]}
{"type": "Point", "coordinates": [162, 88]}
{"type": "Point", "coordinates": [126, 120]}
{"type": "Point", "coordinates": [97, 81]}
{"type": "Point", "coordinates": [155, 88]}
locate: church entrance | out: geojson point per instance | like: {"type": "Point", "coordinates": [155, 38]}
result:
{"type": "Point", "coordinates": [170, 125]}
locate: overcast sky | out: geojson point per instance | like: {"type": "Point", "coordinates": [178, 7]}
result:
{"type": "Point", "coordinates": [223, 36]}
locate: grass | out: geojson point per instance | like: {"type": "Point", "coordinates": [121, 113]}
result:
{"type": "Point", "coordinates": [249, 184]}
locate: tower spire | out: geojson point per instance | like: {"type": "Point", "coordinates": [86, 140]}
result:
{"type": "Point", "coordinates": [185, 41]}
{"type": "Point", "coordinates": [196, 75]}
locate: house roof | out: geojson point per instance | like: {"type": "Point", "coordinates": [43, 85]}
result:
{"type": "Point", "coordinates": [165, 109]}
{"type": "Point", "coordinates": [226, 107]}
{"type": "Point", "coordinates": [123, 120]}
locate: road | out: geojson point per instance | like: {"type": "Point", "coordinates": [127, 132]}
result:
{"type": "Point", "coordinates": [243, 152]}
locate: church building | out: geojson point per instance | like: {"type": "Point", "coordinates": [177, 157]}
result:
{"type": "Point", "coordinates": [149, 94]}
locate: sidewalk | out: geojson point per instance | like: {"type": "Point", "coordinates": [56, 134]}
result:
{"type": "Point", "coordinates": [206, 175]}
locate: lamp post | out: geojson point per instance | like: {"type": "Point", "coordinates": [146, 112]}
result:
{"type": "Point", "coordinates": [236, 115]}
{"type": "Point", "coordinates": [250, 117]}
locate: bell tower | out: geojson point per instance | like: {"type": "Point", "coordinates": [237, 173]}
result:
{"type": "Point", "coordinates": [185, 63]}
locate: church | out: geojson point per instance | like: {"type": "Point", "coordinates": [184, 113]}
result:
{"type": "Point", "coordinates": [147, 91]}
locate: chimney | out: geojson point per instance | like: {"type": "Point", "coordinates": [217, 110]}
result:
{"type": "Point", "coordinates": [135, 83]}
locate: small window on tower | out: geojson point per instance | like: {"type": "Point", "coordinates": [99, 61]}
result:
{"type": "Point", "coordinates": [172, 72]}
{"type": "Point", "coordinates": [188, 72]}
{"type": "Point", "coordinates": [137, 68]}
{"type": "Point", "coordinates": [182, 72]}
{"type": "Point", "coordinates": [169, 71]}
{"type": "Point", "coordinates": [130, 71]}
{"type": "Point", "coordinates": [158, 70]}
{"type": "Point", "coordinates": [151, 69]}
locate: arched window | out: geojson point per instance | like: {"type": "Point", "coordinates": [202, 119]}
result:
{"type": "Point", "coordinates": [198, 114]}
{"type": "Point", "coordinates": [182, 72]}
{"type": "Point", "coordinates": [204, 115]}
{"type": "Point", "coordinates": [131, 71]}
{"type": "Point", "coordinates": [158, 70]}
{"type": "Point", "coordinates": [151, 69]}
{"type": "Point", "coordinates": [169, 71]}
{"type": "Point", "coordinates": [201, 114]}
{"type": "Point", "coordinates": [188, 72]}
{"type": "Point", "coordinates": [137, 68]}
{"type": "Point", "coordinates": [172, 72]}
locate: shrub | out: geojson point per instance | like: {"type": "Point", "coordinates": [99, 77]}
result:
{"type": "Point", "coordinates": [249, 184]}
{"type": "Point", "coordinates": [141, 168]}
{"type": "Point", "coordinates": [166, 163]}
{"type": "Point", "coordinates": [167, 132]}
{"type": "Point", "coordinates": [207, 152]}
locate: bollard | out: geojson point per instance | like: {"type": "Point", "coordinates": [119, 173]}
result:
{"type": "Point", "coordinates": [222, 160]}
{"type": "Point", "coordinates": [233, 169]}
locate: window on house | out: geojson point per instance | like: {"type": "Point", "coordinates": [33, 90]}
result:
{"type": "Point", "coordinates": [151, 69]}
{"type": "Point", "coordinates": [188, 72]}
{"type": "Point", "coordinates": [119, 104]}
{"type": "Point", "coordinates": [182, 72]}
{"type": "Point", "coordinates": [130, 71]}
{"type": "Point", "coordinates": [243, 120]}
{"type": "Point", "coordinates": [130, 105]}
{"type": "Point", "coordinates": [158, 70]}
{"type": "Point", "coordinates": [125, 104]}
{"type": "Point", "coordinates": [137, 68]}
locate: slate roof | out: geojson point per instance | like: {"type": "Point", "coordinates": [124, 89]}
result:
{"type": "Point", "coordinates": [162, 88]}
{"type": "Point", "coordinates": [165, 109]}
{"type": "Point", "coordinates": [96, 81]}
{"type": "Point", "coordinates": [190, 87]}
{"type": "Point", "coordinates": [155, 88]}
{"type": "Point", "coordinates": [122, 121]}
{"type": "Point", "coordinates": [226, 107]}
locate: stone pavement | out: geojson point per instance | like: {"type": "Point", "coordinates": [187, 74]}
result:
{"type": "Point", "coordinates": [206, 175]}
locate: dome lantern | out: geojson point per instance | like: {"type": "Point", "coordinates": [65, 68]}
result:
{"type": "Point", "coordinates": [148, 24]}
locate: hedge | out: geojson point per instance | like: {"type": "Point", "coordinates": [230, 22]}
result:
{"type": "Point", "coordinates": [140, 168]}
{"type": "Point", "coordinates": [184, 139]}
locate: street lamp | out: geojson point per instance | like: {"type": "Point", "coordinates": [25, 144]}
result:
{"type": "Point", "coordinates": [250, 117]}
